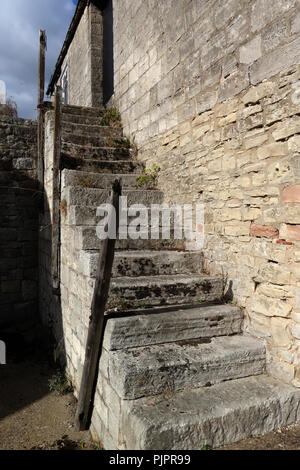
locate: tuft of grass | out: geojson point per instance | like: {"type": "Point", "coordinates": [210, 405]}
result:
{"type": "Point", "coordinates": [86, 183]}
{"type": "Point", "coordinates": [9, 109]}
{"type": "Point", "coordinates": [123, 143]}
{"type": "Point", "coordinates": [63, 207]}
{"type": "Point", "coordinates": [111, 117]}
{"type": "Point", "coordinates": [59, 384]}
{"type": "Point", "coordinates": [149, 178]}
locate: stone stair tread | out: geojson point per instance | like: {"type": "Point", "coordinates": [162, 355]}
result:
{"type": "Point", "coordinates": [103, 166]}
{"type": "Point", "coordinates": [164, 290]}
{"type": "Point", "coordinates": [214, 416]}
{"type": "Point", "coordinates": [98, 180]}
{"type": "Point", "coordinates": [161, 325]}
{"type": "Point", "coordinates": [82, 110]}
{"type": "Point", "coordinates": [90, 198]}
{"type": "Point", "coordinates": [164, 279]}
{"type": "Point", "coordinates": [146, 262]}
{"type": "Point", "coordinates": [150, 370]}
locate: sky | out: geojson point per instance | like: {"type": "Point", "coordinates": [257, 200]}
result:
{"type": "Point", "coordinates": [20, 22]}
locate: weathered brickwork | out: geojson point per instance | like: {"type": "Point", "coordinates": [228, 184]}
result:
{"type": "Point", "coordinates": [19, 221]}
{"type": "Point", "coordinates": [209, 90]}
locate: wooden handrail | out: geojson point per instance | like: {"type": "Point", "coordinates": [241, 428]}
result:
{"type": "Point", "coordinates": [96, 325]}
{"type": "Point", "coordinates": [55, 252]}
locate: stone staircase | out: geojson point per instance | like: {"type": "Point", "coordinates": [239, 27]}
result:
{"type": "Point", "coordinates": [176, 371]}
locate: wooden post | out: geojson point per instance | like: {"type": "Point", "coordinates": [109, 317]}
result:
{"type": "Point", "coordinates": [41, 112]}
{"type": "Point", "coordinates": [96, 325]}
{"type": "Point", "coordinates": [55, 255]}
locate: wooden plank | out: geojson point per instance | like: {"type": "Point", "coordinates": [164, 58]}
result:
{"type": "Point", "coordinates": [41, 112]}
{"type": "Point", "coordinates": [55, 254]}
{"type": "Point", "coordinates": [96, 329]}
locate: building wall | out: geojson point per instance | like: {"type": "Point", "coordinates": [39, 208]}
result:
{"type": "Point", "coordinates": [209, 91]}
{"type": "Point", "coordinates": [84, 61]}
{"type": "Point", "coordinates": [18, 222]}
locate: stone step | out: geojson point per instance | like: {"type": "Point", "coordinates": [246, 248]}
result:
{"type": "Point", "coordinates": [86, 215]}
{"type": "Point", "coordinates": [222, 414]}
{"type": "Point", "coordinates": [101, 166]}
{"type": "Point", "coordinates": [82, 110]}
{"type": "Point", "coordinates": [94, 141]}
{"type": "Point", "coordinates": [94, 130]}
{"type": "Point", "coordinates": [154, 370]}
{"type": "Point", "coordinates": [145, 263]}
{"type": "Point", "coordinates": [169, 324]}
{"type": "Point", "coordinates": [95, 153]}
{"type": "Point", "coordinates": [91, 198]}
{"type": "Point", "coordinates": [178, 289]}
{"type": "Point", "coordinates": [81, 119]}
{"type": "Point", "coordinates": [96, 180]}
{"type": "Point", "coordinates": [86, 239]}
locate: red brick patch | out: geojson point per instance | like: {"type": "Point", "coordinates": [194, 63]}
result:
{"type": "Point", "coordinates": [266, 231]}
{"type": "Point", "coordinates": [291, 194]}
{"type": "Point", "coordinates": [283, 242]}
{"type": "Point", "coordinates": [293, 232]}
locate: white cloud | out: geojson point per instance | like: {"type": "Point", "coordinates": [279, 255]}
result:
{"type": "Point", "coordinates": [20, 22]}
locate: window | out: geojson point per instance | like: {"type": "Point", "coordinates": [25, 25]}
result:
{"type": "Point", "coordinates": [64, 86]}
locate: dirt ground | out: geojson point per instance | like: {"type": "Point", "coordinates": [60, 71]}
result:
{"type": "Point", "coordinates": [33, 418]}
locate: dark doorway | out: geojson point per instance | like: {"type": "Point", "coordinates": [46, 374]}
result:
{"type": "Point", "coordinates": [108, 51]}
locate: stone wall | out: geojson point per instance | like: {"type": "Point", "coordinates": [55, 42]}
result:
{"type": "Point", "coordinates": [84, 60]}
{"type": "Point", "coordinates": [209, 91]}
{"type": "Point", "coordinates": [19, 221]}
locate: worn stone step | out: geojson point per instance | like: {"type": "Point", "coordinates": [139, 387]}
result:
{"type": "Point", "coordinates": [222, 414]}
{"type": "Point", "coordinates": [94, 141]}
{"type": "Point", "coordinates": [91, 198]}
{"type": "Point", "coordinates": [86, 215]}
{"type": "Point", "coordinates": [82, 110]}
{"type": "Point", "coordinates": [147, 291]}
{"type": "Point", "coordinates": [81, 119]}
{"type": "Point", "coordinates": [153, 370]}
{"type": "Point", "coordinates": [96, 180]}
{"type": "Point", "coordinates": [86, 239]}
{"type": "Point", "coordinates": [95, 153]}
{"type": "Point", "coordinates": [102, 166]}
{"type": "Point", "coordinates": [166, 325]}
{"type": "Point", "coordinates": [94, 130]}
{"type": "Point", "coordinates": [145, 263]}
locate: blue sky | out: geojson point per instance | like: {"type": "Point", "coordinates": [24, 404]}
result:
{"type": "Point", "coordinates": [20, 22]}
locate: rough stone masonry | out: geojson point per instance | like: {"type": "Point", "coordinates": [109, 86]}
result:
{"type": "Point", "coordinates": [18, 222]}
{"type": "Point", "coordinates": [209, 90]}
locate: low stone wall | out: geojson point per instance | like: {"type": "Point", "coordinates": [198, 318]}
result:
{"type": "Point", "coordinates": [18, 221]}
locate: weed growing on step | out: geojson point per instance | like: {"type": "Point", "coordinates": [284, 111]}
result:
{"type": "Point", "coordinates": [86, 183]}
{"type": "Point", "coordinates": [59, 384]}
{"type": "Point", "coordinates": [111, 117]}
{"type": "Point", "coordinates": [63, 207]}
{"type": "Point", "coordinates": [123, 143]}
{"type": "Point", "coordinates": [149, 178]}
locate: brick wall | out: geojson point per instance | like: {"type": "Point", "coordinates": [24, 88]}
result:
{"type": "Point", "coordinates": [209, 91]}
{"type": "Point", "coordinates": [19, 221]}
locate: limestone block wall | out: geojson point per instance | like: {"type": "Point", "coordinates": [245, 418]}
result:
{"type": "Point", "coordinates": [18, 221]}
{"type": "Point", "coordinates": [84, 61]}
{"type": "Point", "coordinates": [209, 90]}
{"type": "Point", "coordinates": [67, 314]}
